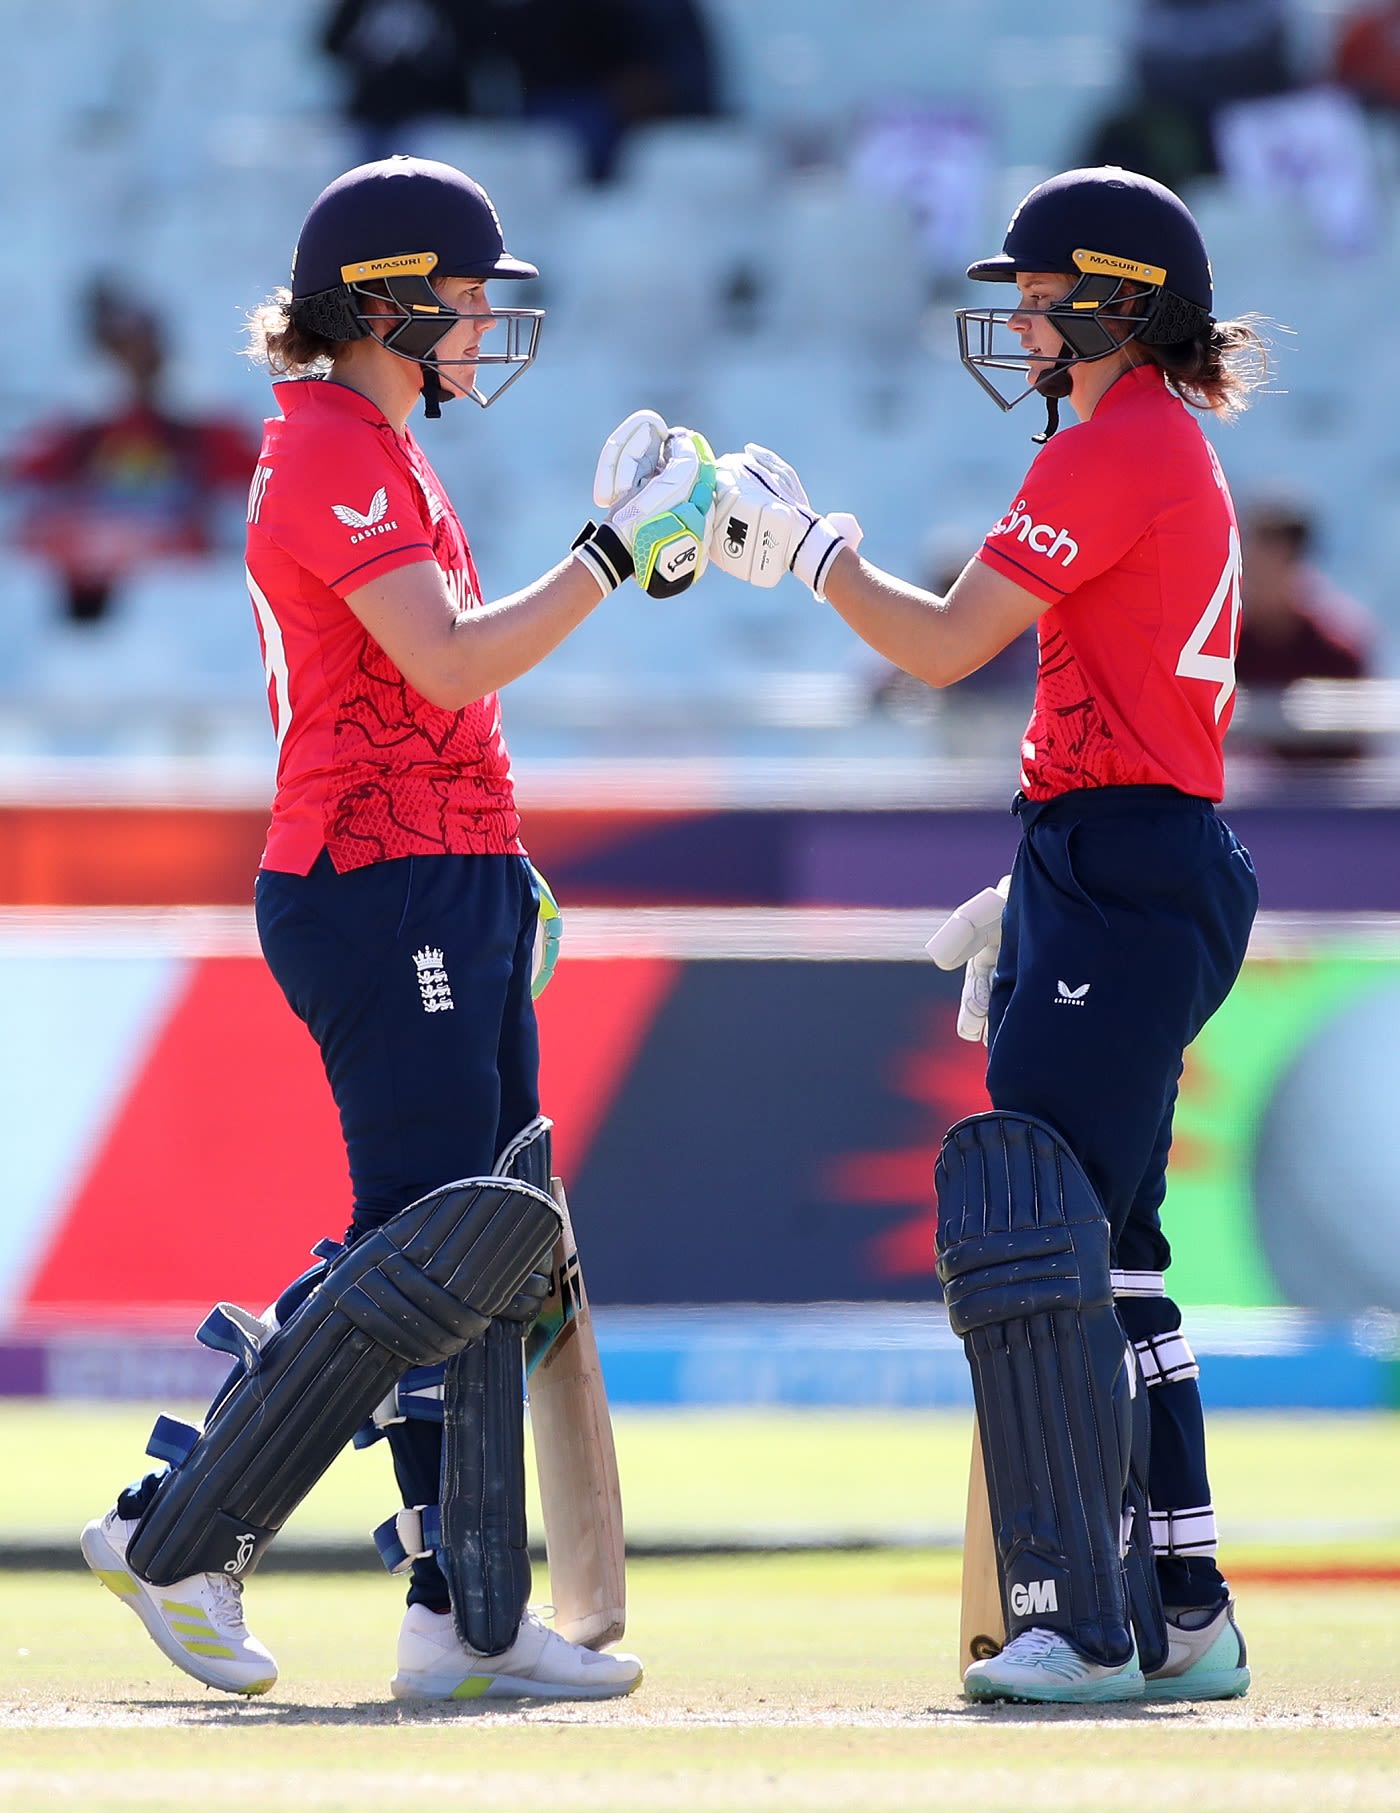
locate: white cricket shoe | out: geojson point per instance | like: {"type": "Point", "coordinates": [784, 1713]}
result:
{"type": "Point", "coordinates": [539, 1665]}
{"type": "Point", "coordinates": [197, 1622]}
{"type": "Point", "coordinates": [1043, 1665]}
{"type": "Point", "coordinates": [1204, 1664]}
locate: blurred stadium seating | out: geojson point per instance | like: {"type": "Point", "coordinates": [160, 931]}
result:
{"type": "Point", "coordinates": [737, 276]}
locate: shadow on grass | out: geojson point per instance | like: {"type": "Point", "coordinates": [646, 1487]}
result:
{"type": "Point", "coordinates": [1114, 1712]}
{"type": "Point", "coordinates": [635, 1713]}
{"type": "Point", "coordinates": [276, 1714]}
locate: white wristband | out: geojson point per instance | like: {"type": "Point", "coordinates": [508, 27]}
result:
{"type": "Point", "coordinates": [815, 553]}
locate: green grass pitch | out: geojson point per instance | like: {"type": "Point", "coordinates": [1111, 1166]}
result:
{"type": "Point", "coordinates": [821, 1681]}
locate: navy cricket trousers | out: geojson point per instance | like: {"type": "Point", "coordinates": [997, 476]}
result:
{"type": "Point", "coordinates": [1126, 924]}
{"type": "Point", "coordinates": [413, 976]}
{"type": "Point", "coordinates": [1125, 927]}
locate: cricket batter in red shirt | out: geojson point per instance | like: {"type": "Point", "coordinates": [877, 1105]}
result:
{"type": "Point", "coordinates": [399, 913]}
{"type": "Point", "coordinates": [1124, 924]}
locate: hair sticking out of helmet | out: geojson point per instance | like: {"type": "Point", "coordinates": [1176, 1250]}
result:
{"type": "Point", "coordinates": [1140, 269]}
{"type": "Point", "coordinates": [386, 232]}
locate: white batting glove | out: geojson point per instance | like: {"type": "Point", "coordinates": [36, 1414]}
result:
{"type": "Point", "coordinates": [631, 455]}
{"type": "Point", "coordinates": [659, 532]}
{"type": "Point", "coordinates": [765, 526]}
{"type": "Point", "coordinates": [972, 935]}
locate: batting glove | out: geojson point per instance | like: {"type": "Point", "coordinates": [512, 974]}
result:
{"type": "Point", "coordinates": [972, 935]}
{"type": "Point", "coordinates": [631, 455]}
{"type": "Point", "coordinates": [765, 526]}
{"type": "Point", "coordinates": [657, 533]}
{"type": "Point", "coordinates": [549, 934]}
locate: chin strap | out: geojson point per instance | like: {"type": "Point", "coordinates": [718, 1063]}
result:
{"type": "Point", "coordinates": [1054, 386]}
{"type": "Point", "coordinates": [434, 396]}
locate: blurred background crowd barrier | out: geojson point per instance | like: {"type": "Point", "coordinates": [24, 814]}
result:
{"type": "Point", "coordinates": [752, 215]}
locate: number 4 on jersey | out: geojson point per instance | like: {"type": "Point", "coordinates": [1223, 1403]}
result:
{"type": "Point", "coordinates": [1219, 669]}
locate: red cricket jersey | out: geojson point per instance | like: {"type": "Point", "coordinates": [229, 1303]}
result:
{"type": "Point", "coordinates": [367, 768]}
{"type": "Point", "coordinates": [1124, 525]}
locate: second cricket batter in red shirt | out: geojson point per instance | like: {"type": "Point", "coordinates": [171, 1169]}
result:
{"type": "Point", "coordinates": [1124, 924]}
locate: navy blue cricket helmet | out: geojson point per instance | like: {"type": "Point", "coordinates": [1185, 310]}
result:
{"type": "Point", "coordinates": [386, 229]}
{"type": "Point", "coordinates": [1137, 253]}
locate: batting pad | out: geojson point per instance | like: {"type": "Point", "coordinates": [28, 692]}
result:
{"type": "Point", "coordinates": [414, 1292]}
{"type": "Point", "coordinates": [477, 1529]}
{"type": "Point", "coordinates": [482, 1549]}
{"type": "Point", "coordinates": [1023, 1246]}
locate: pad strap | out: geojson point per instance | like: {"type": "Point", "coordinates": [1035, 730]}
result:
{"type": "Point", "coordinates": [1166, 1359]}
{"type": "Point", "coordinates": [172, 1441]}
{"type": "Point", "coordinates": [409, 1535]}
{"type": "Point", "coordinates": [236, 1332]}
{"type": "Point", "coordinates": [1138, 1284]}
{"type": "Point", "coordinates": [1153, 1324]}
{"type": "Point", "coordinates": [1187, 1533]}
{"type": "Point", "coordinates": [416, 1398]}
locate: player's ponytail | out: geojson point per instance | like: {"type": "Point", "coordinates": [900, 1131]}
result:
{"type": "Point", "coordinates": [276, 340]}
{"type": "Point", "coordinates": [1218, 370]}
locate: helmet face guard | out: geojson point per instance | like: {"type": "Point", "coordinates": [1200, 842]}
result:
{"type": "Point", "coordinates": [987, 342]}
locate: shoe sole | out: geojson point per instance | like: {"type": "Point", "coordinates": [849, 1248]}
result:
{"type": "Point", "coordinates": [504, 1687]}
{"type": "Point", "coordinates": [1227, 1684]}
{"type": "Point", "coordinates": [1092, 1693]}
{"type": "Point", "coordinates": [117, 1577]}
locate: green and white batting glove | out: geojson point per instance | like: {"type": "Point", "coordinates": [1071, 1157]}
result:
{"type": "Point", "coordinates": [658, 532]}
{"type": "Point", "coordinates": [765, 526]}
{"type": "Point", "coordinates": [549, 934]}
{"type": "Point", "coordinates": [972, 935]}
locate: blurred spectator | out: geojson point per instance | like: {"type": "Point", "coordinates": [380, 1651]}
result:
{"type": "Point", "coordinates": [99, 498]}
{"type": "Point", "coordinates": [1367, 56]}
{"type": "Point", "coordinates": [1309, 153]}
{"type": "Point", "coordinates": [937, 159]}
{"type": "Point", "coordinates": [596, 70]}
{"type": "Point", "coordinates": [1296, 626]}
{"type": "Point", "coordinates": [405, 61]}
{"type": "Point", "coordinates": [1190, 58]}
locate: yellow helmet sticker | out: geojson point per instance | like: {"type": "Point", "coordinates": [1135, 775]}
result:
{"type": "Point", "coordinates": [407, 264]}
{"type": "Point", "coordinates": [1105, 264]}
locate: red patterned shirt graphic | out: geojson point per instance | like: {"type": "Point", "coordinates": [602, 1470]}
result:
{"type": "Point", "coordinates": [367, 768]}
{"type": "Point", "coordinates": [1125, 527]}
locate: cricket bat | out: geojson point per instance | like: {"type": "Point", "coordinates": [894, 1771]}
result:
{"type": "Point", "coordinates": [576, 1462]}
{"type": "Point", "coordinates": [982, 1628]}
